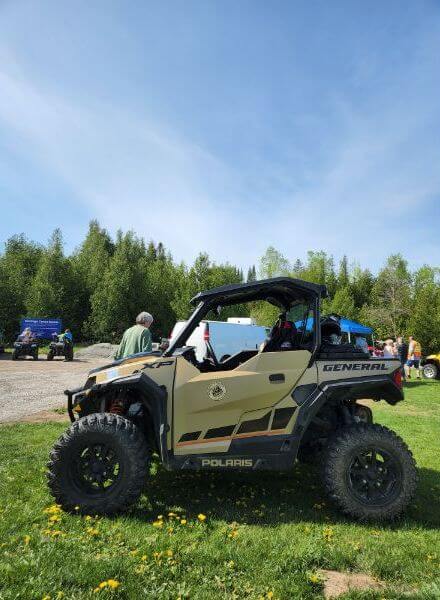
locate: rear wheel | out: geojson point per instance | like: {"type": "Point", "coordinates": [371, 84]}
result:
{"type": "Point", "coordinates": [369, 472]}
{"type": "Point", "coordinates": [430, 371]}
{"type": "Point", "coordinates": [50, 355]}
{"type": "Point", "coordinates": [35, 355]}
{"type": "Point", "coordinates": [99, 465]}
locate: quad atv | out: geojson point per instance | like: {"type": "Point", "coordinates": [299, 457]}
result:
{"type": "Point", "coordinates": [60, 346]}
{"type": "Point", "coordinates": [259, 409]}
{"type": "Point", "coordinates": [25, 348]}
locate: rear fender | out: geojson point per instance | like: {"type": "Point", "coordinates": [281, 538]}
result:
{"type": "Point", "coordinates": [311, 399]}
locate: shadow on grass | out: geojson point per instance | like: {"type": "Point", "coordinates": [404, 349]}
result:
{"type": "Point", "coordinates": [267, 498]}
{"type": "Point", "coordinates": [415, 383]}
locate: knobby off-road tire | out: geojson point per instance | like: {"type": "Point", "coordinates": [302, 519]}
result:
{"type": "Point", "coordinates": [99, 465]}
{"type": "Point", "coordinates": [365, 488]}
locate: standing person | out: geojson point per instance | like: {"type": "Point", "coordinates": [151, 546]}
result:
{"type": "Point", "coordinates": [402, 353]}
{"type": "Point", "coordinates": [388, 350]}
{"type": "Point", "coordinates": [414, 356]}
{"type": "Point", "coordinates": [136, 339]}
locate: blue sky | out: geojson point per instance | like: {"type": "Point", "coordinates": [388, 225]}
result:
{"type": "Point", "coordinates": [224, 126]}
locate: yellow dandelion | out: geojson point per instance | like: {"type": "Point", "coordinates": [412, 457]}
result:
{"type": "Point", "coordinates": [46, 597]}
{"type": "Point", "coordinates": [201, 517]}
{"type": "Point", "coordinates": [54, 519]}
{"type": "Point", "coordinates": [27, 539]}
{"type": "Point", "coordinates": [113, 583]}
{"type": "Point", "coordinates": [92, 531]}
{"type": "Point", "coordinates": [144, 557]}
{"type": "Point", "coordinates": [169, 553]}
{"type": "Point", "coordinates": [183, 521]}
{"type": "Point", "coordinates": [269, 595]}
{"type": "Point", "coordinates": [158, 524]}
{"type": "Point", "coordinates": [314, 578]}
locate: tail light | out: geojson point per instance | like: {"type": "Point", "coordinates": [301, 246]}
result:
{"type": "Point", "coordinates": [206, 333]}
{"type": "Point", "coordinates": [397, 378]}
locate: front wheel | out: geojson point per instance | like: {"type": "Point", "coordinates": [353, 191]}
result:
{"type": "Point", "coordinates": [99, 465]}
{"type": "Point", "coordinates": [430, 371]}
{"type": "Point", "coordinates": [14, 355]}
{"type": "Point", "coordinates": [369, 472]}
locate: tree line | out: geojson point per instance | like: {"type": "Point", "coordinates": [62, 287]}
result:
{"type": "Point", "coordinates": [99, 289]}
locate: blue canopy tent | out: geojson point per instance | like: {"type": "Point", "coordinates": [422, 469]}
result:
{"type": "Point", "coordinates": [347, 326]}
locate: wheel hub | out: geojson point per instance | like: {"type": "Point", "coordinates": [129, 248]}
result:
{"type": "Point", "coordinates": [97, 468]}
{"type": "Point", "coordinates": [373, 476]}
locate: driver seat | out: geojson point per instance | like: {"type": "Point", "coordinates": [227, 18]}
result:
{"type": "Point", "coordinates": [282, 337]}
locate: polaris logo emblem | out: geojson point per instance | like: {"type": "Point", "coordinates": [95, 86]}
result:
{"type": "Point", "coordinates": [373, 366]}
{"type": "Point", "coordinates": [227, 462]}
{"type": "Point", "coordinates": [216, 390]}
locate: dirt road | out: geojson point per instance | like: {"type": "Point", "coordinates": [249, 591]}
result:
{"type": "Point", "coordinates": [29, 387]}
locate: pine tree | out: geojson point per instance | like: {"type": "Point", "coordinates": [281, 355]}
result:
{"type": "Point", "coordinates": [343, 303]}
{"type": "Point", "coordinates": [343, 274]}
{"type": "Point", "coordinates": [251, 274]}
{"type": "Point", "coordinates": [120, 297]}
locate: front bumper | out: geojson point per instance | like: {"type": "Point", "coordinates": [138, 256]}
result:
{"type": "Point", "coordinates": [73, 397]}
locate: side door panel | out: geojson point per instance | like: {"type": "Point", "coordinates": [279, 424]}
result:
{"type": "Point", "coordinates": [208, 406]}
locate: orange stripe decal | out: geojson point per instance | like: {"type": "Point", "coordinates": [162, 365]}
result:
{"type": "Point", "coordinates": [233, 437]}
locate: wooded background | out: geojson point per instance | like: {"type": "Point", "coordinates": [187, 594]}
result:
{"type": "Point", "coordinates": [99, 289]}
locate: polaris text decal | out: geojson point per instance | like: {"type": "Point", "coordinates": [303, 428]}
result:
{"type": "Point", "coordinates": [373, 366]}
{"type": "Point", "coordinates": [227, 462]}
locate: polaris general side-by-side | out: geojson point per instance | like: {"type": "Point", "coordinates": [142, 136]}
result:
{"type": "Point", "coordinates": [294, 397]}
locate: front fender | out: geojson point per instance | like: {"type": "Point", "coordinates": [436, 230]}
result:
{"type": "Point", "coordinates": [152, 396]}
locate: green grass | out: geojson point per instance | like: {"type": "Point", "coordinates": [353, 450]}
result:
{"type": "Point", "coordinates": [285, 530]}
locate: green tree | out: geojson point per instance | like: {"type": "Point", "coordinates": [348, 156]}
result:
{"type": "Point", "coordinates": [53, 290]}
{"type": "Point", "coordinates": [362, 282]}
{"type": "Point", "coordinates": [121, 295]}
{"type": "Point", "coordinates": [343, 279]}
{"type": "Point", "coordinates": [390, 298]}
{"type": "Point", "coordinates": [424, 322]}
{"type": "Point", "coordinates": [273, 264]}
{"type": "Point", "coordinates": [252, 274]}
{"type": "Point", "coordinates": [343, 303]}
{"type": "Point", "coordinates": [20, 263]}
{"type": "Point", "coordinates": [90, 263]}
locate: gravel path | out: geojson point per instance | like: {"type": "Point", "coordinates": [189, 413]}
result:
{"type": "Point", "coordinates": [28, 387]}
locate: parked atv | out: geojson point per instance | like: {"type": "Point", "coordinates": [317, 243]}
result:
{"type": "Point", "coordinates": [258, 409]}
{"type": "Point", "coordinates": [25, 348]}
{"type": "Point", "coordinates": [60, 346]}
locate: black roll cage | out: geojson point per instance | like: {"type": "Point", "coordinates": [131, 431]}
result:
{"type": "Point", "coordinates": [279, 291]}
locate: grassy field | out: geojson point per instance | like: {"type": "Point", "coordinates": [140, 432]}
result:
{"type": "Point", "coordinates": [264, 536]}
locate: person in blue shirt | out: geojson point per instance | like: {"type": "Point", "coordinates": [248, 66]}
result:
{"type": "Point", "coordinates": [68, 336]}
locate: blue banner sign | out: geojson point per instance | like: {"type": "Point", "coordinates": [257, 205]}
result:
{"type": "Point", "coordinates": [42, 328]}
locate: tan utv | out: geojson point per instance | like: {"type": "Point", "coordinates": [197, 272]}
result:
{"type": "Point", "coordinates": [294, 397]}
